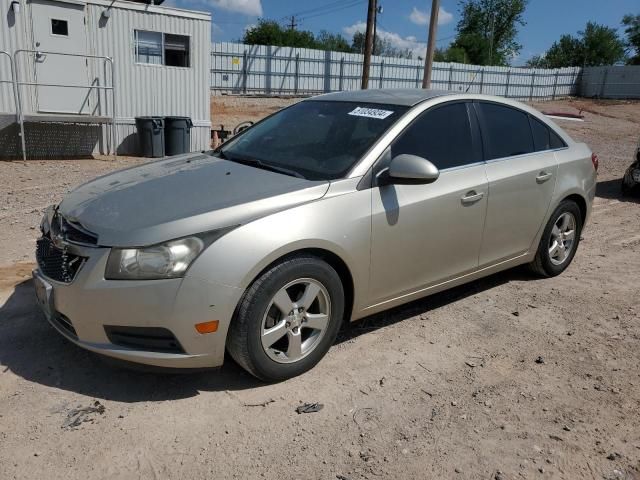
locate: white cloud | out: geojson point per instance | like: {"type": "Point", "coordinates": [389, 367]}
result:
{"type": "Point", "coordinates": [248, 7]}
{"type": "Point", "coordinates": [216, 31]}
{"type": "Point", "coordinates": [422, 18]}
{"type": "Point", "coordinates": [396, 40]}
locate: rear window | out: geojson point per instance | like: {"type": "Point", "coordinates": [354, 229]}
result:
{"type": "Point", "coordinates": [543, 137]}
{"type": "Point", "coordinates": [506, 131]}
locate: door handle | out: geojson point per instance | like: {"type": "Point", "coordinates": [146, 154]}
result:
{"type": "Point", "coordinates": [471, 197]}
{"type": "Point", "coordinates": [543, 177]}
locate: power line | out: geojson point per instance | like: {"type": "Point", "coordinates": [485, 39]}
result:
{"type": "Point", "coordinates": [321, 7]}
{"type": "Point", "coordinates": [344, 6]}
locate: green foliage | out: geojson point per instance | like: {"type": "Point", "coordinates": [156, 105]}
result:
{"type": "Point", "coordinates": [451, 54]}
{"type": "Point", "coordinates": [632, 31]}
{"type": "Point", "coordinates": [487, 31]}
{"type": "Point", "coordinates": [595, 45]}
{"type": "Point", "coordinates": [269, 32]}
{"type": "Point", "coordinates": [332, 41]}
{"type": "Point", "coordinates": [383, 47]}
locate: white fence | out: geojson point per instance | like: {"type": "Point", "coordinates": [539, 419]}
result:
{"type": "Point", "coordinates": [257, 69]}
{"type": "Point", "coordinates": [611, 82]}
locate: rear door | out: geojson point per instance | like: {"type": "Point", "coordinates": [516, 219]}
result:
{"type": "Point", "coordinates": [522, 176]}
{"type": "Point", "coordinates": [423, 235]}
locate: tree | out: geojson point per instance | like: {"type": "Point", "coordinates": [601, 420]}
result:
{"type": "Point", "coordinates": [383, 47]}
{"type": "Point", "coordinates": [595, 45]}
{"type": "Point", "coordinates": [632, 22]}
{"type": "Point", "coordinates": [566, 52]}
{"type": "Point", "coordinates": [332, 41]}
{"type": "Point", "coordinates": [487, 31]}
{"type": "Point", "coordinates": [269, 32]}
{"type": "Point", "coordinates": [451, 54]}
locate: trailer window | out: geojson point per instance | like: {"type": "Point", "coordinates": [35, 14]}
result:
{"type": "Point", "coordinates": [59, 27]}
{"type": "Point", "coordinates": [158, 48]}
{"type": "Point", "coordinates": [176, 50]}
{"type": "Point", "coordinates": [148, 47]}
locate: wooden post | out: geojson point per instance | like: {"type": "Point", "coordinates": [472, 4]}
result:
{"type": "Point", "coordinates": [368, 45]}
{"type": "Point", "coordinates": [431, 45]}
{"type": "Point", "coordinates": [555, 85]}
{"type": "Point", "coordinates": [244, 71]}
{"type": "Point", "coordinates": [533, 81]}
{"type": "Point", "coordinates": [506, 90]}
{"type": "Point", "coordinates": [297, 70]}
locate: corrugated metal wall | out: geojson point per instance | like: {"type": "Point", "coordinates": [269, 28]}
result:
{"type": "Point", "coordinates": [13, 36]}
{"type": "Point", "coordinates": [611, 82]}
{"type": "Point", "coordinates": [141, 89]}
{"type": "Point", "coordinates": [238, 68]}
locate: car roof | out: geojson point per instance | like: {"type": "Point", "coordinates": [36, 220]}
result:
{"type": "Point", "coordinates": [391, 96]}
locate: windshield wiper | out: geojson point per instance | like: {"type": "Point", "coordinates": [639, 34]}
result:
{"type": "Point", "coordinates": [254, 162]}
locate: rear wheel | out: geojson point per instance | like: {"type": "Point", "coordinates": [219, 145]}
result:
{"type": "Point", "coordinates": [288, 319]}
{"type": "Point", "coordinates": [559, 240]}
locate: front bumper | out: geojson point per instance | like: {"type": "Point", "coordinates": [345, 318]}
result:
{"type": "Point", "coordinates": [81, 310]}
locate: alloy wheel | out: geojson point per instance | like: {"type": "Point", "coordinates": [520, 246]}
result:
{"type": "Point", "coordinates": [295, 320]}
{"type": "Point", "coordinates": [562, 238]}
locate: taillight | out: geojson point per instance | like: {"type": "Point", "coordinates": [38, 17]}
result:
{"type": "Point", "coordinates": [594, 160]}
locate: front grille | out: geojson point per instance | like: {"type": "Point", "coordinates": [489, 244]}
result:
{"type": "Point", "coordinates": [71, 232]}
{"type": "Point", "coordinates": [64, 323]}
{"type": "Point", "coordinates": [56, 264]}
{"type": "Point", "coordinates": [150, 339]}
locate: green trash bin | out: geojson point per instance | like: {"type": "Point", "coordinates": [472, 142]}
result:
{"type": "Point", "coordinates": [151, 136]}
{"type": "Point", "coordinates": [177, 135]}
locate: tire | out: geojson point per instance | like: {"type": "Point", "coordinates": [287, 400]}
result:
{"type": "Point", "coordinates": [547, 265]}
{"type": "Point", "coordinates": [260, 319]}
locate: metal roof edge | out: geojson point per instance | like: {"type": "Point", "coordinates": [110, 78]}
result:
{"type": "Point", "coordinates": [158, 9]}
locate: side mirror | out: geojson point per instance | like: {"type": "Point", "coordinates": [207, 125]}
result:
{"type": "Point", "coordinates": [411, 169]}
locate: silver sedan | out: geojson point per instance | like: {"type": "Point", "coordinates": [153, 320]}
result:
{"type": "Point", "coordinates": [335, 208]}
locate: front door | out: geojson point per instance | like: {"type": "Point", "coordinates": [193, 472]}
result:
{"type": "Point", "coordinates": [60, 27]}
{"type": "Point", "coordinates": [423, 235]}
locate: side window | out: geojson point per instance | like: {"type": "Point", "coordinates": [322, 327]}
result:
{"type": "Point", "coordinates": [441, 135]}
{"type": "Point", "coordinates": [541, 135]}
{"type": "Point", "coordinates": [556, 141]}
{"type": "Point", "coordinates": [506, 131]}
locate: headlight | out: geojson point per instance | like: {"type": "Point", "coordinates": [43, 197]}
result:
{"type": "Point", "coordinates": [165, 260]}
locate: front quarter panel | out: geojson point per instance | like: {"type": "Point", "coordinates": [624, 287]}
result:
{"type": "Point", "coordinates": [339, 223]}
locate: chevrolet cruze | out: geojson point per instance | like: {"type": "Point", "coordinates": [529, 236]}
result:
{"type": "Point", "coordinates": [332, 209]}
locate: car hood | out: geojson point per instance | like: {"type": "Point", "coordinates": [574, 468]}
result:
{"type": "Point", "coordinates": [180, 196]}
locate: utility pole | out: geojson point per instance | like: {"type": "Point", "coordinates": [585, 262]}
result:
{"type": "Point", "coordinates": [431, 44]}
{"type": "Point", "coordinates": [368, 44]}
{"type": "Point", "coordinates": [293, 23]}
{"type": "Point", "coordinates": [378, 9]}
{"type": "Point", "coordinates": [493, 22]}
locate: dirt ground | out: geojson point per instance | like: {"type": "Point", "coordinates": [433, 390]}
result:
{"type": "Point", "coordinates": [507, 377]}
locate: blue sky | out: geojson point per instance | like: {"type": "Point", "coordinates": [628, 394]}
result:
{"type": "Point", "coordinates": [404, 22]}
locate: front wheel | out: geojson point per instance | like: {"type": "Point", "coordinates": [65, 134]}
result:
{"type": "Point", "coordinates": [559, 240]}
{"type": "Point", "coordinates": [288, 319]}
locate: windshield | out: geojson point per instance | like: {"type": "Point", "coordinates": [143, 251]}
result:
{"type": "Point", "coordinates": [317, 140]}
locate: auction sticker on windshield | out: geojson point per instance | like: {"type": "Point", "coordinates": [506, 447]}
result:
{"type": "Point", "coordinates": [370, 113]}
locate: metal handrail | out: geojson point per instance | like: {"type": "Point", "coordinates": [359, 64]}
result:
{"type": "Point", "coordinates": [106, 60]}
{"type": "Point", "coordinates": [16, 102]}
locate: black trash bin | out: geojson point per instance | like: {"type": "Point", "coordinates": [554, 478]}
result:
{"type": "Point", "coordinates": [177, 135]}
{"type": "Point", "coordinates": [151, 136]}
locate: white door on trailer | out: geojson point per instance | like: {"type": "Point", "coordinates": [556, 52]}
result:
{"type": "Point", "coordinates": [60, 27]}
